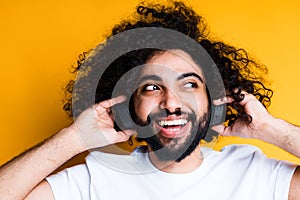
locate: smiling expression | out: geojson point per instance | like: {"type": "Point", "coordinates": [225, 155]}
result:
{"type": "Point", "coordinates": [172, 92]}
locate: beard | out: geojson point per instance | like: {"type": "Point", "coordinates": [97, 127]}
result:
{"type": "Point", "coordinates": [174, 150]}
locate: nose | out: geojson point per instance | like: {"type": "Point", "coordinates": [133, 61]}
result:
{"type": "Point", "coordinates": [170, 101]}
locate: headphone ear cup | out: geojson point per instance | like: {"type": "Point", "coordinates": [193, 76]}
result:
{"type": "Point", "coordinates": [122, 118]}
{"type": "Point", "coordinates": [218, 114]}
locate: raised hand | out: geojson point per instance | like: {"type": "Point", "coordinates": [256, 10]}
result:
{"type": "Point", "coordinates": [261, 119]}
{"type": "Point", "coordinates": [95, 125]}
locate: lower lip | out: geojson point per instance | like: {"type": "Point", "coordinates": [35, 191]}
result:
{"type": "Point", "coordinates": [173, 132]}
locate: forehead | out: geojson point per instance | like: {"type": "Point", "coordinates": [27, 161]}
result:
{"type": "Point", "coordinates": [170, 63]}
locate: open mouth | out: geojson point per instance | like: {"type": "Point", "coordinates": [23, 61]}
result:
{"type": "Point", "coordinates": [177, 122]}
{"type": "Point", "coordinates": [172, 128]}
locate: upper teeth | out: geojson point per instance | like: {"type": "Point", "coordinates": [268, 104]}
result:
{"type": "Point", "coordinates": [176, 122]}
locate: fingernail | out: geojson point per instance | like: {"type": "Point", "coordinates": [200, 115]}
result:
{"type": "Point", "coordinates": [242, 97]}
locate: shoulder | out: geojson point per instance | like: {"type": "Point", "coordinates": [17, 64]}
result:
{"type": "Point", "coordinates": [71, 173]}
{"type": "Point", "coordinates": [242, 151]}
{"type": "Point", "coordinates": [71, 183]}
{"type": "Point", "coordinates": [248, 169]}
{"type": "Point", "coordinates": [136, 162]}
{"type": "Point", "coordinates": [234, 152]}
{"type": "Point", "coordinates": [241, 148]}
{"type": "Point", "coordinates": [252, 158]}
{"type": "Point", "coordinates": [247, 156]}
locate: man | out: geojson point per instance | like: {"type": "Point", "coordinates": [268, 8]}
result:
{"type": "Point", "coordinates": [170, 102]}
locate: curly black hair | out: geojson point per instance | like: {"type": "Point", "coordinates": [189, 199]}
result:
{"type": "Point", "coordinates": [238, 71]}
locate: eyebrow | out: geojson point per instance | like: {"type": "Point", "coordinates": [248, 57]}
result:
{"type": "Point", "coordinates": [182, 76]}
{"type": "Point", "coordinates": [150, 77]}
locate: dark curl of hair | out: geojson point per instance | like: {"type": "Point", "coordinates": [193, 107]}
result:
{"type": "Point", "coordinates": [239, 72]}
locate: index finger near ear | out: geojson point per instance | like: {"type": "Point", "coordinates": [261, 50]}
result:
{"type": "Point", "coordinates": [110, 102]}
{"type": "Point", "coordinates": [223, 100]}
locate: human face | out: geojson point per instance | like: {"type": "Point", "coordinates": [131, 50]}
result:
{"type": "Point", "coordinates": [172, 93]}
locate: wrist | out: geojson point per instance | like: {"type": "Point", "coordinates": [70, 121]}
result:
{"type": "Point", "coordinates": [75, 141]}
{"type": "Point", "coordinates": [274, 131]}
{"type": "Point", "coordinates": [267, 130]}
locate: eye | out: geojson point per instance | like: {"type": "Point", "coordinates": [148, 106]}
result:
{"type": "Point", "coordinates": [150, 87]}
{"type": "Point", "coordinates": [190, 85]}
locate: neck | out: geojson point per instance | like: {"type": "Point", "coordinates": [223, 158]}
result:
{"type": "Point", "coordinates": [188, 164]}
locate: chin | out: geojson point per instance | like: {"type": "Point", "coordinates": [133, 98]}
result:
{"type": "Point", "coordinates": [177, 148]}
{"type": "Point", "coordinates": [173, 137]}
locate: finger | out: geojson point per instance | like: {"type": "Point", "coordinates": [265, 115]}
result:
{"type": "Point", "coordinates": [223, 100]}
{"type": "Point", "coordinates": [247, 98]}
{"type": "Point", "coordinates": [223, 130]}
{"type": "Point", "coordinates": [110, 102]}
{"type": "Point", "coordinates": [124, 135]}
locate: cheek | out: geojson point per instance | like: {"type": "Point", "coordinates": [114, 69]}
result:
{"type": "Point", "coordinates": [142, 108]}
{"type": "Point", "coordinates": [204, 106]}
{"type": "Point", "coordinates": [199, 103]}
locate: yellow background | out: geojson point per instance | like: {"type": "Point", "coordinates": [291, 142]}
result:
{"type": "Point", "coordinates": [40, 40]}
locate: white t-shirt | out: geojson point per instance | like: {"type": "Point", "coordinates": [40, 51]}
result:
{"type": "Point", "coordinates": [236, 172]}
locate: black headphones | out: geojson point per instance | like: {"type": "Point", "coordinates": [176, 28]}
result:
{"type": "Point", "coordinates": [123, 119]}
{"type": "Point", "coordinates": [159, 38]}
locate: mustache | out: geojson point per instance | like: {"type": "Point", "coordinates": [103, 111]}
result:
{"type": "Point", "coordinates": [191, 116]}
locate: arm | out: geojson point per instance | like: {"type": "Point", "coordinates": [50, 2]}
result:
{"type": "Point", "coordinates": [269, 129]}
{"type": "Point", "coordinates": [93, 128]}
{"type": "Point", "coordinates": [263, 126]}
{"type": "Point", "coordinates": [22, 174]}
